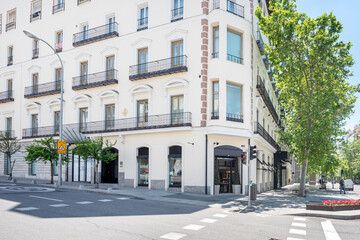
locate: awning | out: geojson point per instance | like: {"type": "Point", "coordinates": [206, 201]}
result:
{"type": "Point", "coordinates": [72, 136]}
{"type": "Point", "coordinates": [227, 151]}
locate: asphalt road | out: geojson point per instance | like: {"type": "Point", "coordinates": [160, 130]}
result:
{"type": "Point", "coordinates": [40, 213]}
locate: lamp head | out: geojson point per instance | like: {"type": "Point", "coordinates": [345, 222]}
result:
{"type": "Point", "coordinates": [31, 35]}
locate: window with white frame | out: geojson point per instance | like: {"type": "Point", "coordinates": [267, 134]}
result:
{"type": "Point", "coordinates": [35, 10]}
{"type": "Point", "coordinates": [234, 46]}
{"type": "Point", "coordinates": [143, 18]}
{"type": "Point", "coordinates": [59, 41]}
{"type": "Point", "coordinates": [11, 20]}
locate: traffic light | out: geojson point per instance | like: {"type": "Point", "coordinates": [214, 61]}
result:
{"type": "Point", "coordinates": [243, 158]}
{"type": "Point", "coordinates": [252, 152]}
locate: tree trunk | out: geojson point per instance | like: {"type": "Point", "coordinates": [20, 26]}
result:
{"type": "Point", "coordinates": [11, 168]}
{"type": "Point", "coordinates": [96, 174]}
{"type": "Point", "coordinates": [303, 177]}
{"type": "Point", "coordinates": [52, 173]}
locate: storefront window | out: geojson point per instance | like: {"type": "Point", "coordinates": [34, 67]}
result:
{"type": "Point", "coordinates": [143, 166]}
{"type": "Point", "coordinates": [175, 166]}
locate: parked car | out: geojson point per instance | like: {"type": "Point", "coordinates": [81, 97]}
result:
{"type": "Point", "coordinates": [349, 185]}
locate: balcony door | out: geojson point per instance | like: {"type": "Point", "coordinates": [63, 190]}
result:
{"type": "Point", "coordinates": [142, 113]}
{"type": "Point", "coordinates": [83, 73]}
{"type": "Point", "coordinates": [83, 119]}
{"type": "Point", "coordinates": [85, 32]}
{"type": "Point", "coordinates": [9, 125]}
{"type": "Point", "coordinates": [58, 78]}
{"type": "Point", "coordinates": [111, 22]}
{"type": "Point", "coordinates": [177, 53]}
{"type": "Point", "coordinates": [34, 124]}
{"type": "Point", "coordinates": [10, 88]}
{"type": "Point", "coordinates": [143, 17]}
{"type": "Point", "coordinates": [35, 83]}
{"type": "Point", "coordinates": [178, 8]}
{"type": "Point", "coordinates": [177, 109]}
{"type": "Point", "coordinates": [109, 116]}
{"type": "Point", "coordinates": [56, 122]}
{"type": "Point", "coordinates": [110, 65]}
{"type": "Point", "coordinates": [142, 60]}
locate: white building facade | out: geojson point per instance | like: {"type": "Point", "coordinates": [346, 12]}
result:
{"type": "Point", "coordinates": [181, 86]}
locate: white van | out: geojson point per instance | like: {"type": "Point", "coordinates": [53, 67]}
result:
{"type": "Point", "coordinates": [349, 185]}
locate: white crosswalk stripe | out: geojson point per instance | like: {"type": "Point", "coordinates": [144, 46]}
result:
{"type": "Point", "coordinates": [208, 220]}
{"type": "Point", "coordinates": [220, 215]}
{"type": "Point", "coordinates": [173, 236]}
{"type": "Point", "coordinates": [105, 200]}
{"type": "Point", "coordinates": [193, 227]}
{"type": "Point", "coordinates": [59, 205]}
{"type": "Point", "coordinates": [296, 224]}
{"type": "Point", "coordinates": [123, 198]}
{"type": "Point", "coordinates": [290, 238]}
{"type": "Point", "coordinates": [297, 231]}
{"type": "Point", "coordinates": [330, 231]}
{"type": "Point", "coordinates": [300, 219]}
{"type": "Point", "coordinates": [23, 209]}
{"type": "Point", "coordinates": [84, 202]}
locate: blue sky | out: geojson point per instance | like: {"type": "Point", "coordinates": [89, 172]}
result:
{"type": "Point", "coordinates": [347, 12]}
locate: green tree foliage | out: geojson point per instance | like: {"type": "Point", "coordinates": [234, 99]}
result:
{"type": "Point", "coordinates": [9, 146]}
{"type": "Point", "coordinates": [350, 153]}
{"type": "Point", "coordinates": [44, 150]}
{"type": "Point", "coordinates": [96, 149]}
{"type": "Point", "coordinates": [311, 67]}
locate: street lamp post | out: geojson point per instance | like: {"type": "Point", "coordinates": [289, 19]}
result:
{"type": "Point", "coordinates": [33, 36]}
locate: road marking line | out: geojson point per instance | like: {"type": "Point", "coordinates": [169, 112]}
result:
{"type": "Point", "coordinates": [297, 231]}
{"type": "Point", "coordinates": [300, 219]}
{"type": "Point", "coordinates": [330, 231]}
{"type": "Point", "coordinates": [85, 202]}
{"type": "Point", "coordinates": [290, 238]}
{"type": "Point", "coordinates": [123, 198]}
{"type": "Point", "coordinates": [59, 205]}
{"type": "Point", "coordinates": [173, 236]}
{"type": "Point", "coordinates": [296, 224]}
{"type": "Point", "coordinates": [193, 227]}
{"type": "Point", "coordinates": [208, 220]}
{"type": "Point", "coordinates": [51, 199]}
{"type": "Point", "coordinates": [220, 215]}
{"type": "Point", "coordinates": [105, 200]}
{"type": "Point", "coordinates": [26, 209]}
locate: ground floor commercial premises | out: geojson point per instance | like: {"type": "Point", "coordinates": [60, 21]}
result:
{"type": "Point", "coordinates": [180, 158]}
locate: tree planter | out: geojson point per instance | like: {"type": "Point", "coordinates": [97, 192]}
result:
{"type": "Point", "coordinates": [217, 189]}
{"type": "Point", "coordinates": [322, 207]}
{"type": "Point", "coordinates": [236, 189]}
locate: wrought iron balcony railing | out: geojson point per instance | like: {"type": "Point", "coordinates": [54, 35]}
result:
{"type": "Point", "coordinates": [35, 16]}
{"type": "Point", "coordinates": [177, 14]}
{"type": "Point", "coordinates": [265, 96]}
{"type": "Point", "coordinates": [96, 34]}
{"type": "Point", "coordinates": [258, 129]}
{"type": "Point", "coordinates": [6, 96]}
{"type": "Point", "coordinates": [82, 1]}
{"type": "Point", "coordinates": [214, 115]}
{"type": "Point", "coordinates": [11, 133]}
{"type": "Point", "coordinates": [260, 43]}
{"type": "Point", "coordinates": [234, 117]}
{"type": "Point", "coordinates": [235, 8]}
{"type": "Point", "coordinates": [11, 25]}
{"type": "Point", "coordinates": [58, 7]}
{"type": "Point", "coordinates": [157, 68]}
{"type": "Point", "coordinates": [266, 61]}
{"type": "Point", "coordinates": [234, 58]}
{"type": "Point", "coordinates": [215, 55]}
{"type": "Point", "coordinates": [117, 125]}
{"type": "Point", "coordinates": [42, 89]}
{"type": "Point", "coordinates": [143, 23]}
{"type": "Point", "coordinates": [95, 80]}
{"type": "Point", "coordinates": [10, 60]}
{"type": "Point", "coordinates": [35, 53]}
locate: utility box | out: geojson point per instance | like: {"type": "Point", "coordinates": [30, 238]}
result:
{"type": "Point", "coordinates": [253, 192]}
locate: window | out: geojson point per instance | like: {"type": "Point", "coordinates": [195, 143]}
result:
{"type": "Point", "coordinates": [11, 20]}
{"type": "Point", "coordinates": [10, 55]}
{"type": "Point", "coordinates": [175, 166]}
{"type": "Point", "coordinates": [58, 78]}
{"type": "Point", "coordinates": [84, 32]}
{"type": "Point", "coordinates": [33, 168]}
{"type": "Point", "coordinates": [215, 42]}
{"type": "Point", "coordinates": [109, 116]}
{"type": "Point", "coordinates": [111, 22]}
{"type": "Point", "coordinates": [142, 112]}
{"type": "Point", "coordinates": [215, 102]}
{"type": "Point", "coordinates": [233, 103]}
{"type": "Point", "coordinates": [83, 118]}
{"type": "Point", "coordinates": [35, 83]}
{"type": "Point", "coordinates": [35, 49]}
{"type": "Point", "coordinates": [233, 47]}
{"type": "Point", "coordinates": [56, 122]}
{"type": "Point", "coordinates": [177, 53]}
{"type": "Point", "coordinates": [9, 126]}
{"type": "Point", "coordinates": [0, 23]}
{"type": "Point", "coordinates": [35, 11]}
{"type": "Point", "coordinates": [143, 166]}
{"type": "Point", "coordinates": [110, 64]}
{"type": "Point", "coordinates": [143, 18]}
{"type": "Point", "coordinates": [59, 5]}
{"type": "Point", "coordinates": [82, 1]}
{"type": "Point", "coordinates": [34, 124]}
{"type": "Point", "coordinates": [142, 60]}
{"type": "Point", "coordinates": [178, 11]}
{"type": "Point", "coordinates": [10, 87]}
{"type": "Point", "coordinates": [177, 109]}
{"type": "Point", "coordinates": [59, 41]}
{"type": "Point", "coordinates": [83, 72]}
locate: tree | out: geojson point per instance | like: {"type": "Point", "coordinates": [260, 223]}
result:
{"type": "Point", "coordinates": [311, 67]}
{"type": "Point", "coordinates": [44, 150]}
{"type": "Point", "coordinates": [96, 149]}
{"type": "Point", "coordinates": [9, 146]}
{"type": "Point", "coordinates": [350, 153]}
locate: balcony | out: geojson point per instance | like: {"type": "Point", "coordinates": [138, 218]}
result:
{"type": "Point", "coordinates": [214, 115]}
{"type": "Point", "coordinates": [177, 14]}
{"type": "Point", "coordinates": [35, 16]}
{"type": "Point", "coordinates": [95, 80]}
{"type": "Point", "coordinates": [265, 96]}
{"type": "Point", "coordinates": [96, 34]}
{"type": "Point", "coordinates": [82, 1]}
{"type": "Point", "coordinates": [260, 43]}
{"type": "Point", "coordinates": [143, 23]}
{"type": "Point", "coordinates": [118, 125]}
{"type": "Point", "coordinates": [6, 96]}
{"type": "Point", "coordinates": [58, 8]}
{"type": "Point", "coordinates": [266, 61]}
{"type": "Point", "coordinates": [11, 133]}
{"type": "Point", "coordinates": [11, 25]}
{"type": "Point", "coordinates": [234, 58]}
{"type": "Point", "coordinates": [35, 53]}
{"type": "Point", "coordinates": [158, 68]}
{"type": "Point", "coordinates": [258, 129]}
{"type": "Point", "coordinates": [42, 89]}
{"type": "Point", "coordinates": [10, 60]}
{"type": "Point", "coordinates": [234, 117]}
{"type": "Point", "coordinates": [234, 8]}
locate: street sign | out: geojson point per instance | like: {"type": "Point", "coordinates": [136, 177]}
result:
{"type": "Point", "coordinates": [61, 147]}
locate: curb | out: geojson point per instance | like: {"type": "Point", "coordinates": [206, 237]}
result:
{"type": "Point", "coordinates": [340, 217]}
